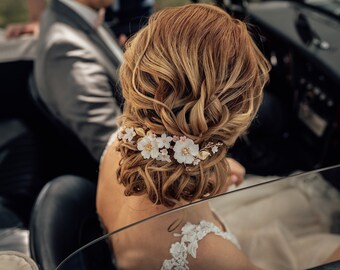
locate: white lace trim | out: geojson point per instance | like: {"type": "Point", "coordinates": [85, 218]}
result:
{"type": "Point", "coordinates": [112, 138]}
{"type": "Point", "coordinates": [191, 234]}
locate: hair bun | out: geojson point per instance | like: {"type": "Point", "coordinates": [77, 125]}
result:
{"type": "Point", "coordinates": [199, 76]}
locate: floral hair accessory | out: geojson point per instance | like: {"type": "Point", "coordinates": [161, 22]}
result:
{"type": "Point", "coordinates": [185, 151]}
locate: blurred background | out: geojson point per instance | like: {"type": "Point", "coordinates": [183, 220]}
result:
{"type": "Point", "coordinates": [12, 11]}
{"type": "Point", "coordinates": [297, 127]}
{"type": "Point", "coordinates": [16, 11]}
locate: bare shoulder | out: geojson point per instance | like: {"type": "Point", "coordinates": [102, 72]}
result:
{"type": "Point", "coordinates": [215, 252]}
{"type": "Point", "coordinates": [109, 193]}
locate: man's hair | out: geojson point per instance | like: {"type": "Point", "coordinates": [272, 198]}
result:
{"type": "Point", "coordinates": [193, 71]}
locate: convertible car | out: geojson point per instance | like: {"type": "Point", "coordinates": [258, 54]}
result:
{"type": "Point", "coordinates": [296, 136]}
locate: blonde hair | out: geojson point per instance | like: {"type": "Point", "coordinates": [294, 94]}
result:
{"type": "Point", "coordinates": [193, 71]}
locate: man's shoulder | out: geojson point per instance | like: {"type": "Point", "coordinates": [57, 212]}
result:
{"type": "Point", "coordinates": [62, 33]}
{"type": "Point", "coordinates": [55, 29]}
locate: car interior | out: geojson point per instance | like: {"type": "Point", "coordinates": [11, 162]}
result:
{"type": "Point", "coordinates": [295, 137]}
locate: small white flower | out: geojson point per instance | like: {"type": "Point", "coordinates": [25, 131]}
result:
{"type": "Point", "coordinates": [185, 150]}
{"type": "Point", "coordinates": [164, 141]}
{"type": "Point", "coordinates": [129, 134]}
{"type": "Point", "coordinates": [167, 264]}
{"type": "Point", "coordinates": [189, 237]}
{"type": "Point", "coordinates": [192, 248]}
{"type": "Point", "coordinates": [164, 156]}
{"type": "Point", "coordinates": [175, 138]}
{"type": "Point", "coordinates": [214, 149]}
{"type": "Point", "coordinates": [187, 228]}
{"type": "Point", "coordinates": [181, 265]}
{"type": "Point", "coordinates": [149, 147]}
{"type": "Point", "coordinates": [178, 249]}
{"type": "Point", "coordinates": [200, 235]}
{"type": "Point", "coordinates": [120, 135]}
{"type": "Point", "coordinates": [152, 136]}
{"type": "Point", "coordinates": [196, 161]}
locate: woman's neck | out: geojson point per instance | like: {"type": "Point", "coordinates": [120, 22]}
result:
{"type": "Point", "coordinates": [142, 207]}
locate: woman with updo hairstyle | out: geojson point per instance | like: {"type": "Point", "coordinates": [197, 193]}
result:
{"type": "Point", "coordinates": [192, 80]}
{"type": "Point", "coordinates": [181, 78]}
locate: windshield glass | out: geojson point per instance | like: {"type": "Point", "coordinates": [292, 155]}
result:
{"type": "Point", "coordinates": [275, 221]}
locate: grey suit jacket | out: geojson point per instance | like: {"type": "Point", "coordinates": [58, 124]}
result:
{"type": "Point", "coordinates": [76, 76]}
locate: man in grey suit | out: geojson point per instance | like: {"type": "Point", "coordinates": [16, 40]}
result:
{"type": "Point", "coordinates": [76, 70]}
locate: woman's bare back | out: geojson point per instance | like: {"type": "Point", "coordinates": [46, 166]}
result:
{"type": "Point", "coordinates": [148, 245]}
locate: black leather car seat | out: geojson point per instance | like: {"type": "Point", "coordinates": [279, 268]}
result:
{"type": "Point", "coordinates": [64, 219]}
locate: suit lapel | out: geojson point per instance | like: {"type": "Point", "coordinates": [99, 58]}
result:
{"type": "Point", "coordinates": [78, 22]}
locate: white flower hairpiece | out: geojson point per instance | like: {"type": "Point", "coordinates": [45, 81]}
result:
{"type": "Point", "coordinates": [157, 147]}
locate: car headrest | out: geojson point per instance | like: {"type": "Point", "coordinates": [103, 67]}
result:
{"type": "Point", "coordinates": [64, 219]}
